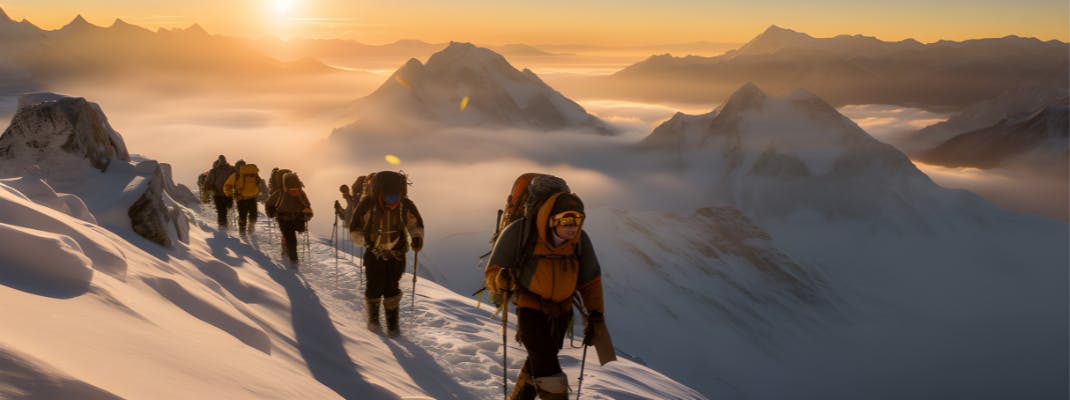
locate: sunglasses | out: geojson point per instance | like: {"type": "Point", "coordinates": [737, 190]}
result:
{"type": "Point", "coordinates": [568, 218]}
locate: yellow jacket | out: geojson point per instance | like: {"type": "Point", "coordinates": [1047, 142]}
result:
{"type": "Point", "coordinates": [244, 184]}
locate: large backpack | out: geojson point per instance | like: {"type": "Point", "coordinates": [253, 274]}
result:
{"type": "Point", "coordinates": [389, 182]}
{"type": "Point", "coordinates": [247, 175]}
{"type": "Point", "coordinates": [529, 191]}
{"type": "Point", "coordinates": [376, 185]}
{"type": "Point", "coordinates": [275, 182]}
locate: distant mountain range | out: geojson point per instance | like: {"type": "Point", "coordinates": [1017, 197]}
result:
{"type": "Point", "coordinates": [351, 53]}
{"type": "Point", "coordinates": [81, 50]}
{"type": "Point", "coordinates": [852, 70]}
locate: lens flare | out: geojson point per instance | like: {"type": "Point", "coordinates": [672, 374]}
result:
{"type": "Point", "coordinates": [392, 159]}
{"type": "Point", "coordinates": [464, 103]}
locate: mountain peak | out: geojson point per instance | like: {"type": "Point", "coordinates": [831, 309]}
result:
{"type": "Point", "coordinates": [773, 39]}
{"type": "Point", "coordinates": [78, 22]}
{"type": "Point", "coordinates": [196, 29]}
{"type": "Point", "coordinates": [746, 97]}
{"type": "Point", "coordinates": [462, 54]}
{"type": "Point", "coordinates": [4, 17]}
{"type": "Point", "coordinates": [490, 91]}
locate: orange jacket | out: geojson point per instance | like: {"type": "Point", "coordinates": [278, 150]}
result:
{"type": "Point", "coordinates": [551, 274]}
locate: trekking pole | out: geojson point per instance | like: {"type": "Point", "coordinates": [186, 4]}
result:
{"type": "Point", "coordinates": [505, 346]}
{"type": "Point", "coordinates": [415, 267]}
{"type": "Point", "coordinates": [334, 242]}
{"type": "Point", "coordinates": [308, 247]}
{"type": "Point", "coordinates": [583, 363]}
{"type": "Point", "coordinates": [360, 271]}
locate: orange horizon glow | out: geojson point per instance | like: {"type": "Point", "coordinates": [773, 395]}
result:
{"type": "Point", "coordinates": [600, 23]}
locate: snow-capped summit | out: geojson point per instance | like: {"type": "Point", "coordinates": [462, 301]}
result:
{"type": "Point", "coordinates": [467, 85]}
{"type": "Point", "coordinates": [795, 155]}
{"type": "Point", "coordinates": [70, 144]}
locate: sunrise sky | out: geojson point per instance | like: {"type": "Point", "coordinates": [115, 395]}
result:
{"type": "Point", "coordinates": [596, 22]}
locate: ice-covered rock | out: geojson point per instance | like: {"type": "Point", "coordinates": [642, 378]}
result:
{"type": "Point", "coordinates": [68, 142]}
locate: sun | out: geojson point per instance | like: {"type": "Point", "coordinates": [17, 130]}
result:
{"type": "Point", "coordinates": [283, 7]}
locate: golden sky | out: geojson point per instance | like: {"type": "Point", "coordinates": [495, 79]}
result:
{"type": "Point", "coordinates": [596, 22]}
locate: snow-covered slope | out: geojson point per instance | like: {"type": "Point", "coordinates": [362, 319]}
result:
{"type": "Point", "coordinates": [936, 291]}
{"type": "Point", "coordinates": [699, 294]}
{"type": "Point", "coordinates": [470, 86]}
{"type": "Point", "coordinates": [1012, 105]}
{"type": "Point", "coordinates": [93, 310]}
{"type": "Point", "coordinates": [92, 313]}
{"type": "Point", "coordinates": [1039, 141]}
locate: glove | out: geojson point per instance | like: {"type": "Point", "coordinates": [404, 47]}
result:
{"type": "Point", "coordinates": [504, 281]}
{"type": "Point", "coordinates": [357, 237]}
{"type": "Point", "coordinates": [595, 323]}
{"type": "Point", "coordinates": [308, 213]}
{"type": "Point", "coordinates": [417, 243]}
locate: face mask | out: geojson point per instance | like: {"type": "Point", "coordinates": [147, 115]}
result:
{"type": "Point", "coordinates": [391, 198]}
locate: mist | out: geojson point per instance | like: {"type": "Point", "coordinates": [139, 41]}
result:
{"type": "Point", "coordinates": [460, 176]}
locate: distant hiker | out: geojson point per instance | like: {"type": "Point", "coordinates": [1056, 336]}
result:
{"type": "Point", "coordinates": [264, 193]}
{"type": "Point", "coordinates": [544, 262]}
{"type": "Point", "coordinates": [385, 222]}
{"type": "Point", "coordinates": [215, 180]}
{"type": "Point", "coordinates": [244, 186]}
{"type": "Point", "coordinates": [292, 210]}
{"type": "Point", "coordinates": [205, 192]}
{"type": "Point", "coordinates": [350, 203]}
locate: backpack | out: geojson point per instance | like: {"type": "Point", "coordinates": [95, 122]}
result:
{"type": "Point", "coordinates": [529, 191]}
{"type": "Point", "coordinates": [389, 182]}
{"type": "Point", "coordinates": [286, 210]}
{"type": "Point", "coordinates": [248, 175]}
{"type": "Point", "coordinates": [275, 182]}
{"type": "Point", "coordinates": [388, 224]}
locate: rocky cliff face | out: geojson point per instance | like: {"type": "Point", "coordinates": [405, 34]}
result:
{"type": "Point", "coordinates": [70, 144]}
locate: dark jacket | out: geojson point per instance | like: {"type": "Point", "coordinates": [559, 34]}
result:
{"type": "Point", "coordinates": [217, 176]}
{"type": "Point", "coordinates": [290, 203]}
{"type": "Point", "coordinates": [385, 228]}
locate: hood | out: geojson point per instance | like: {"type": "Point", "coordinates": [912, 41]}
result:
{"type": "Point", "coordinates": [542, 224]}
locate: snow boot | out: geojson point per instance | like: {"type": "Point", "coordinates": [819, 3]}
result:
{"type": "Point", "coordinates": [392, 306]}
{"type": "Point", "coordinates": [525, 388]}
{"type": "Point", "coordinates": [553, 387]}
{"type": "Point", "coordinates": [373, 314]}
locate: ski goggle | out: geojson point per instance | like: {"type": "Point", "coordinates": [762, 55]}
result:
{"type": "Point", "coordinates": [391, 198]}
{"type": "Point", "coordinates": [567, 218]}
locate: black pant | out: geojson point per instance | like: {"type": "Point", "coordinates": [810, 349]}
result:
{"type": "Point", "coordinates": [246, 212]}
{"type": "Point", "coordinates": [384, 276]}
{"type": "Point", "coordinates": [289, 237]}
{"type": "Point", "coordinates": [542, 335]}
{"type": "Point", "coordinates": [222, 205]}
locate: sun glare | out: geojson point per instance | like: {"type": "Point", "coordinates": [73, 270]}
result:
{"type": "Point", "coordinates": [283, 7]}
